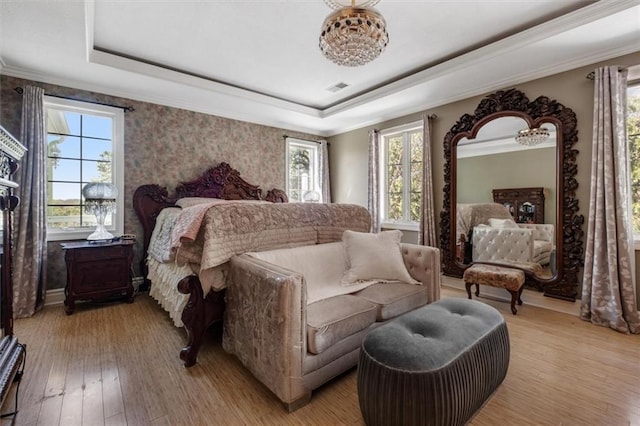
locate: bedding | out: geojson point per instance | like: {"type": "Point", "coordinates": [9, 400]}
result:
{"type": "Point", "coordinates": [202, 238]}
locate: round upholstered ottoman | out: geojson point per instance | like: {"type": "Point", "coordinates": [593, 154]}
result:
{"type": "Point", "coordinates": [436, 365]}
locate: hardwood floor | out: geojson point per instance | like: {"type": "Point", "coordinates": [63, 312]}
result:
{"type": "Point", "coordinates": [117, 364]}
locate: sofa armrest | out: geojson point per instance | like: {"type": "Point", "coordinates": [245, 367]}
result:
{"type": "Point", "coordinates": [264, 324]}
{"type": "Point", "coordinates": [423, 264]}
{"type": "Point", "coordinates": [541, 231]}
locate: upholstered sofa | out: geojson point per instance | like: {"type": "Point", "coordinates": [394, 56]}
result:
{"type": "Point", "coordinates": [296, 317]}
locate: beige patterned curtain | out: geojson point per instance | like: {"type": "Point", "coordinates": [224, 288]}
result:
{"type": "Point", "coordinates": [30, 247]}
{"type": "Point", "coordinates": [325, 181]}
{"type": "Point", "coordinates": [427, 217]}
{"type": "Point", "coordinates": [608, 297]}
{"type": "Point", "coordinates": [374, 179]}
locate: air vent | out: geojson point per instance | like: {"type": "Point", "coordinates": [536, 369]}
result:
{"type": "Point", "coordinates": [337, 87]}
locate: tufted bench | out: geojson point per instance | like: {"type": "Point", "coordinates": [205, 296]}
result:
{"type": "Point", "coordinates": [495, 276]}
{"type": "Point", "coordinates": [436, 365]}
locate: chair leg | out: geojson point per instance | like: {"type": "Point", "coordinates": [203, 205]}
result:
{"type": "Point", "coordinates": [298, 403]}
{"type": "Point", "coordinates": [477, 289]}
{"type": "Point", "coordinates": [468, 285]}
{"type": "Point", "coordinates": [520, 294]}
{"type": "Point", "coordinates": [514, 298]}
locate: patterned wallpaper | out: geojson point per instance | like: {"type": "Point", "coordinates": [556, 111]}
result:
{"type": "Point", "coordinates": [166, 146]}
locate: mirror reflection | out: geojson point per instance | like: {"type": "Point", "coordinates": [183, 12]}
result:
{"type": "Point", "coordinates": [506, 197]}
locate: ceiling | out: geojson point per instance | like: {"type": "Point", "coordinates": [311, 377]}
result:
{"type": "Point", "coordinates": [259, 60]}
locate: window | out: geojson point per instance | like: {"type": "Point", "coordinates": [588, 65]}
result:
{"type": "Point", "coordinates": [303, 170]}
{"type": "Point", "coordinates": [85, 144]}
{"type": "Point", "coordinates": [401, 176]}
{"type": "Point", "coordinates": [633, 135]}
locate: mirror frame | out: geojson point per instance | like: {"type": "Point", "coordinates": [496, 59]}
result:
{"type": "Point", "coordinates": [569, 232]}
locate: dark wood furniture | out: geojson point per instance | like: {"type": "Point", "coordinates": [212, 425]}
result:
{"type": "Point", "coordinates": [97, 271]}
{"type": "Point", "coordinates": [525, 204]}
{"type": "Point", "coordinates": [12, 353]}
{"type": "Point", "coordinates": [568, 242]}
{"type": "Point", "coordinates": [221, 181]}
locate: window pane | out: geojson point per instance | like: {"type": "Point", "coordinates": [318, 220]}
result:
{"type": "Point", "coordinates": [63, 146]}
{"type": "Point", "coordinates": [395, 182]}
{"type": "Point", "coordinates": [394, 206]}
{"type": "Point", "coordinates": [96, 126]}
{"type": "Point", "coordinates": [96, 171]}
{"type": "Point", "coordinates": [416, 177]}
{"type": "Point", "coordinates": [96, 149]}
{"type": "Point", "coordinates": [61, 217]}
{"type": "Point", "coordinates": [394, 153]}
{"type": "Point", "coordinates": [416, 146]}
{"type": "Point", "coordinates": [415, 206]}
{"type": "Point", "coordinates": [64, 170]}
{"type": "Point", "coordinates": [64, 193]}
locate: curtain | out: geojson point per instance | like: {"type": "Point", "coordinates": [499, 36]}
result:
{"type": "Point", "coordinates": [608, 297]}
{"type": "Point", "coordinates": [374, 179]}
{"type": "Point", "coordinates": [30, 249]}
{"type": "Point", "coordinates": [325, 182]}
{"type": "Point", "coordinates": [427, 215]}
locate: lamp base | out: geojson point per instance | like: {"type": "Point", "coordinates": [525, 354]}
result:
{"type": "Point", "coordinates": [100, 233]}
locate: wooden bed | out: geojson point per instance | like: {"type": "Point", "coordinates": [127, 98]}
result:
{"type": "Point", "coordinates": [224, 229]}
{"type": "Point", "coordinates": [223, 182]}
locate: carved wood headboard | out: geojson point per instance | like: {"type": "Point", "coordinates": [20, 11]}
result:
{"type": "Point", "coordinates": [221, 181]}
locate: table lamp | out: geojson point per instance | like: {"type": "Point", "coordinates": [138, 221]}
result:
{"type": "Point", "coordinates": [100, 200]}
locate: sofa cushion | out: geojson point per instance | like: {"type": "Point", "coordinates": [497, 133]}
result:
{"type": "Point", "coordinates": [333, 319]}
{"type": "Point", "coordinates": [374, 257]}
{"type": "Point", "coordinates": [321, 265]}
{"type": "Point", "coordinates": [393, 299]}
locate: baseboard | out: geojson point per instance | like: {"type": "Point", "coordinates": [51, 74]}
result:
{"type": "Point", "coordinates": [55, 296]}
{"type": "Point", "coordinates": [529, 297]}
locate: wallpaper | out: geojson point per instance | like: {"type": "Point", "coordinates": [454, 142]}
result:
{"type": "Point", "coordinates": [166, 145]}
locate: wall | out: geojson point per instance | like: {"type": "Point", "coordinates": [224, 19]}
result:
{"type": "Point", "coordinates": [166, 146]}
{"type": "Point", "coordinates": [571, 88]}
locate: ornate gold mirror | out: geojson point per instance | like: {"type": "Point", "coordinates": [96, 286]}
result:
{"type": "Point", "coordinates": [513, 203]}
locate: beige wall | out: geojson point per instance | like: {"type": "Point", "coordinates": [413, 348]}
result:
{"type": "Point", "coordinates": [479, 176]}
{"type": "Point", "coordinates": [571, 88]}
{"type": "Point", "coordinates": [166, 146]}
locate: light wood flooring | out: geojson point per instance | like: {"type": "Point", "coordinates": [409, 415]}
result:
{"type": "Point", "coordinates": [117, 364]}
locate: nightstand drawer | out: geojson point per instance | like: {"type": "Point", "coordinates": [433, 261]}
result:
{"type": "Point", "coordinates": [101, 275]}
{"type": "Point", "coordinates": [101, 253]}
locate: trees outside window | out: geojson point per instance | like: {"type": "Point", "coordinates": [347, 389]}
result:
{"type": "Point", "coordinates": [401, 175]}
{"type": "Point", "coordinates": [633, 135]}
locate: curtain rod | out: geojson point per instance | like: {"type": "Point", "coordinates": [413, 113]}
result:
{"type": "Point", "coordinates": [20, 90]}
{"type": "Point", "coordinates": [302, 139]}
{"type": "Point", "coordinates": [592, 74]}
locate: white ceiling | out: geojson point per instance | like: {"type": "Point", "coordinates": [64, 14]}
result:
{"type": "Point", "coordinates": [259, 60]}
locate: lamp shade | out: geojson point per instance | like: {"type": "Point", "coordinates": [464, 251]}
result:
{"type": "Point", "coordinates": [99, 191]}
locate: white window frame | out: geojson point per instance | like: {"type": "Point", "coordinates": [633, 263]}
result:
{"type": "Point", "coordinates": [314, 165]}
{"type": "Point", "coordinates": [117, 163]}
{"type": "Point", "coordinates": [406, 224]}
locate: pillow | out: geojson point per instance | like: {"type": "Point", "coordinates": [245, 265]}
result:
{"type": "Point", "coordinates": [374, 257]}
{"type": "Point", "coordinates": [194, 201]}
{"type": "Point", "coordinates": [503, 223]}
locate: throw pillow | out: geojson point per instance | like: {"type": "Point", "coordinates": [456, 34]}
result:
{"type": "Point", "coordinates": [374, 257]}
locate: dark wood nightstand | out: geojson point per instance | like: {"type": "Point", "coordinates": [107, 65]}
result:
{"type": "Point", "coordinates": [97, 271]}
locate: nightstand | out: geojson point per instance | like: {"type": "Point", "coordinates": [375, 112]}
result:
{"type": "Point", "coordinates": [97, 271]}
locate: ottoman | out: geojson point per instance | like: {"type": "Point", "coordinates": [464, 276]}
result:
{"type": "Point", "coordinates": [435, 365]}
{"type": "Point", "coordinates": [495, 276]}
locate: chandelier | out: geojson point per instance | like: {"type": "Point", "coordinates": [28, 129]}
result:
{"type": "Point", "coordinates": [532, 137]}
{"type": "Point", "coordinates": [354, 34]}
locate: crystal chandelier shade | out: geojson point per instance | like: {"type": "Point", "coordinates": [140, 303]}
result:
{"type": "Point", "coordinates": [532, 137]}
{"type": "Point", "coordinates": [352, 36]}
